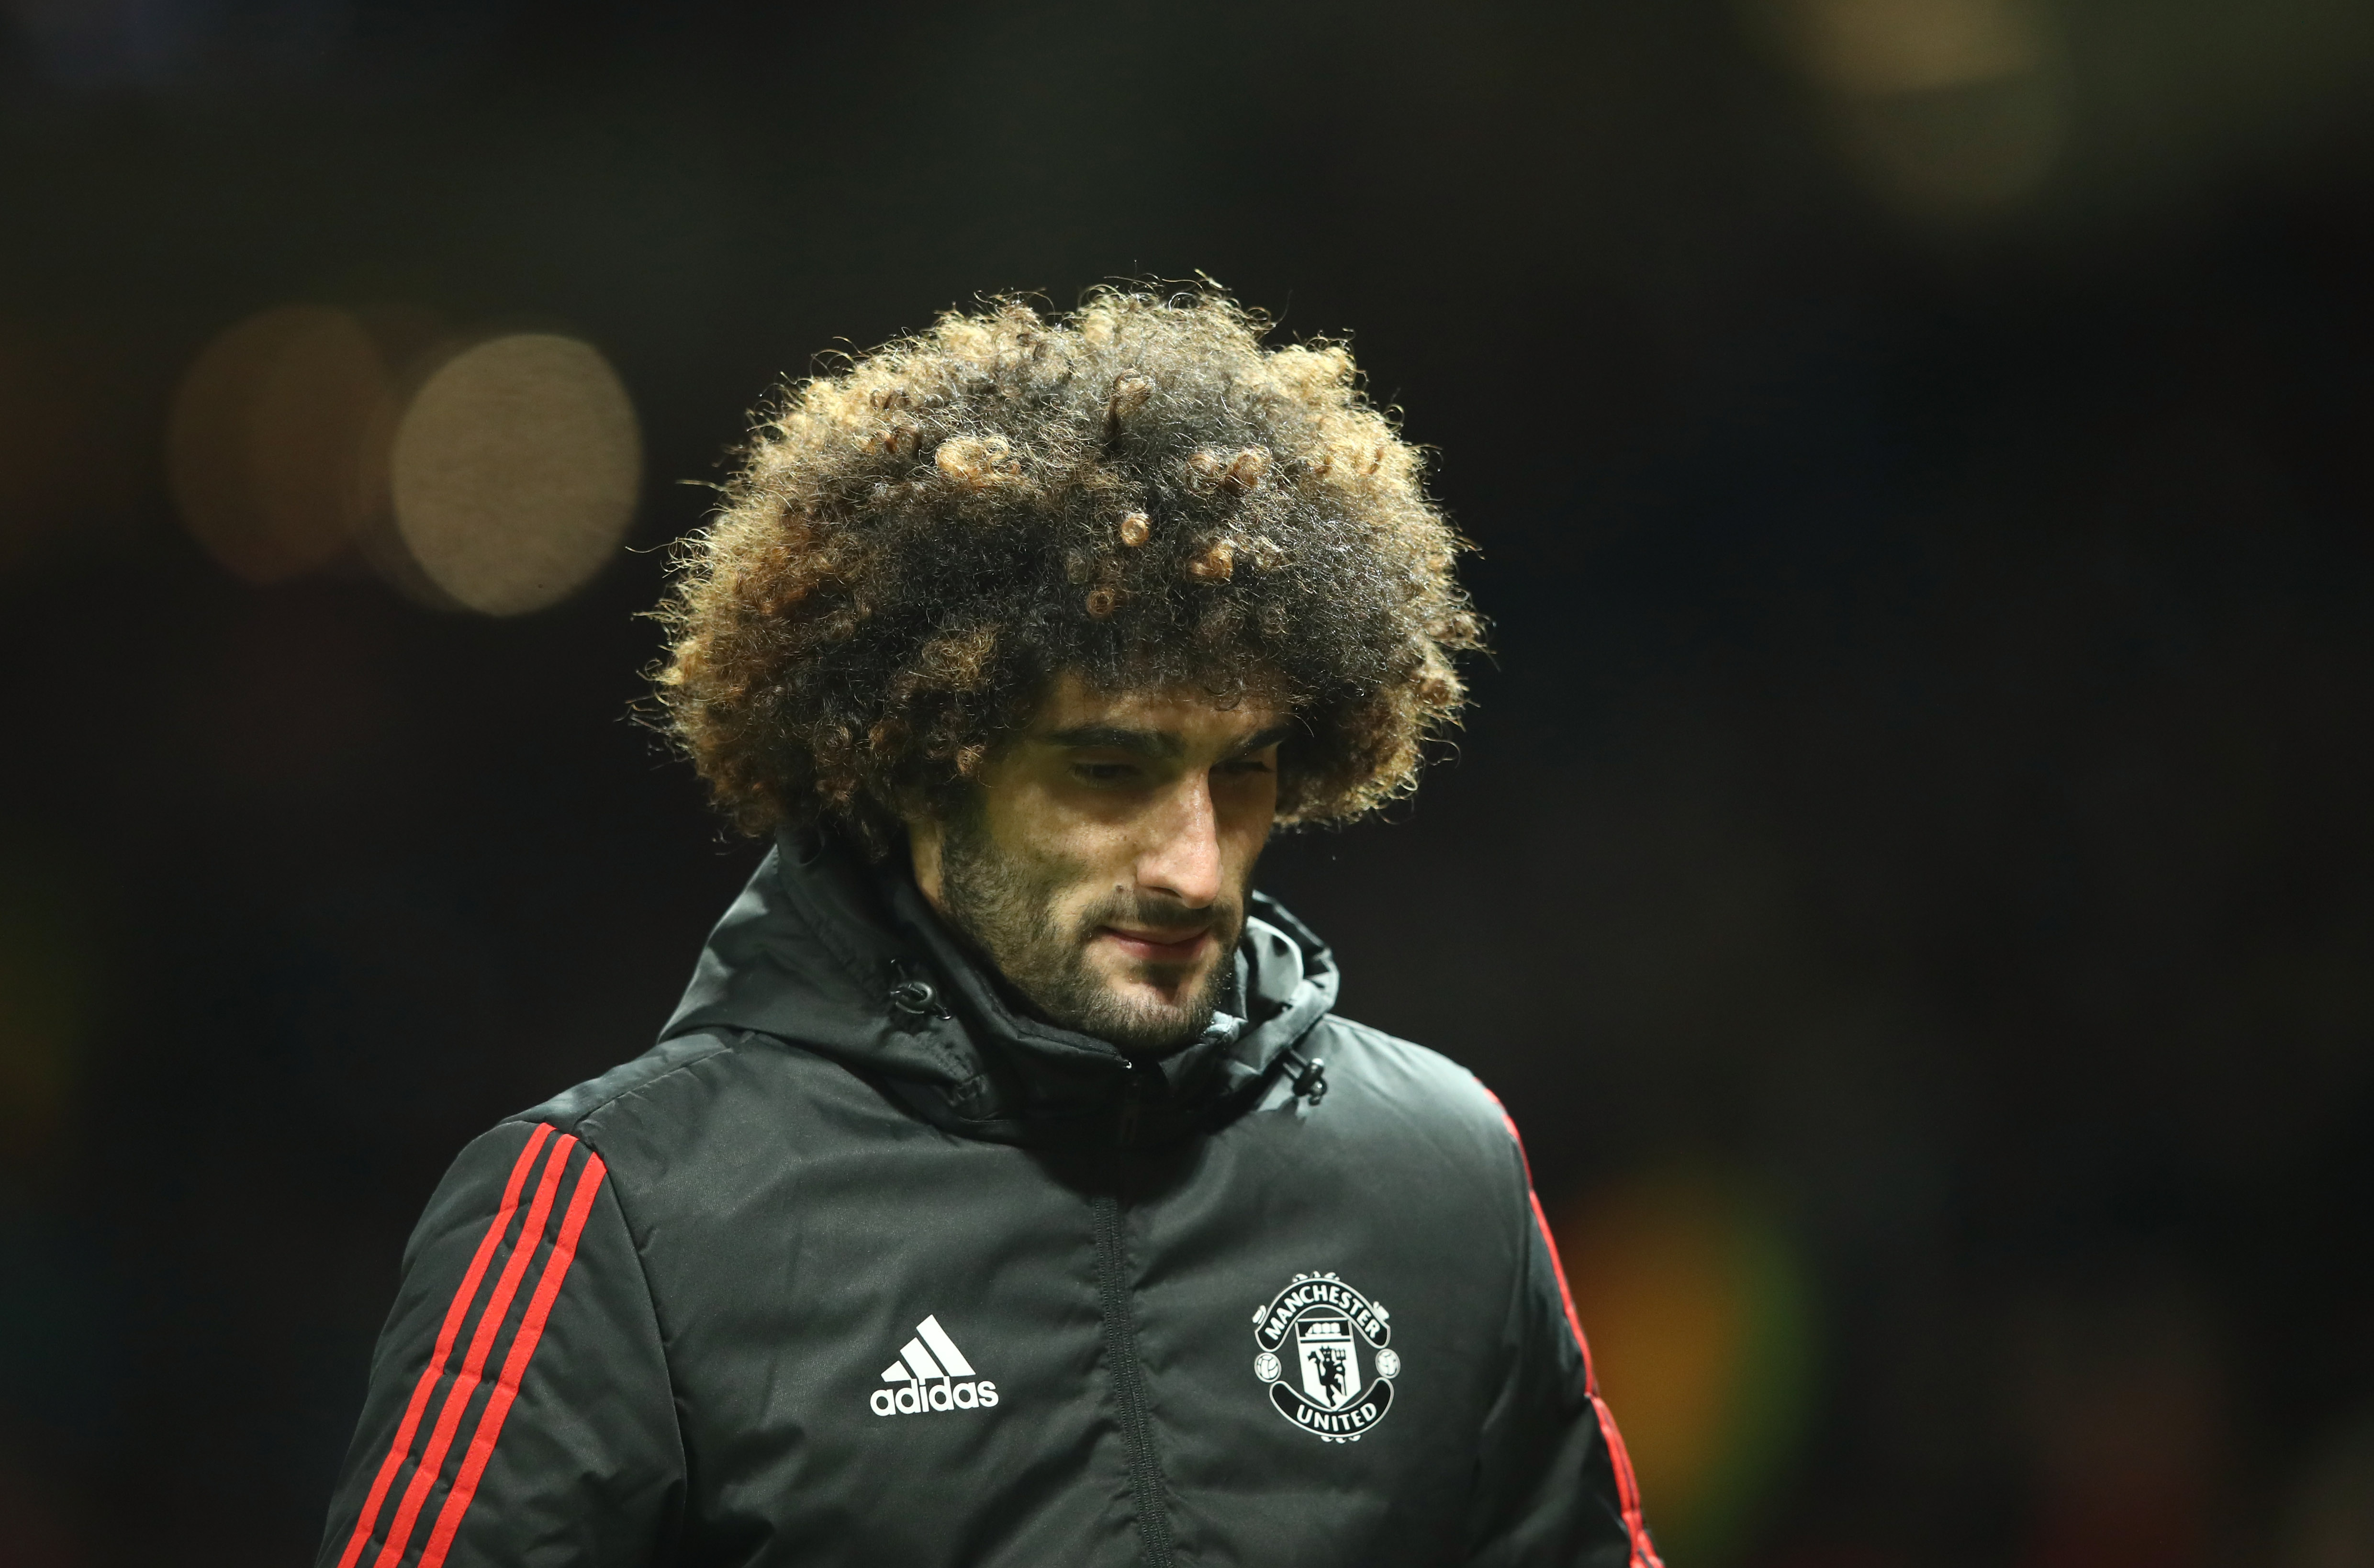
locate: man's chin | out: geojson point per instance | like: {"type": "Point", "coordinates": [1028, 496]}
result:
{"type": "Point", "coordinates": [1141, 1013]}
{"type": "Point", "coordinates": [1166, 989]}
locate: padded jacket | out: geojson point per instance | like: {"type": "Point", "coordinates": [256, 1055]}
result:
{"type": "Point", "coordinates": [858, 1264]}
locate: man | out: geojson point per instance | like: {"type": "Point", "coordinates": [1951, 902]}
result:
{"type": "Point", "coordinates": [1005, 1190]}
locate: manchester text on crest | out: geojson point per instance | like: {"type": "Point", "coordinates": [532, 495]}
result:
{"type": "Point", "coordinates": [1310, 1336]}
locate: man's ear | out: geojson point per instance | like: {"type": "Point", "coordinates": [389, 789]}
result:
{"type": "Point", "coordinates": [925, 837]}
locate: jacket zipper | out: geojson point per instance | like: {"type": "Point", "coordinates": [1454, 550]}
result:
{"type": "Point", "coordinates": [1120, 1353]}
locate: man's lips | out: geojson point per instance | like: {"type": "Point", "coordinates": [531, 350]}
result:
{"type": "Point", "coordinates": [1159, 947]}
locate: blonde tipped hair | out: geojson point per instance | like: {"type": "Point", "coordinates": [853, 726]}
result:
{"type": "Point", "coordinates": [1139, 492]}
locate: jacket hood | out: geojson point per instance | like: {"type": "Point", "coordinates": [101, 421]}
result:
{"type": "Point", "coordinates": [849, 960]}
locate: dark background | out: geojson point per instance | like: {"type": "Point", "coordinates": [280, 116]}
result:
{"type": "Point", "coordinates": [1907, 870]}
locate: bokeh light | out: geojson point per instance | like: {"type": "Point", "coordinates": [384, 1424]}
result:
{"type": "Point", "coordinates": [1702, 1331]}
{"type": "Point", "coordinates": [1949, 108]}
{"type": "Point", "coordinates": [274, 448]}
{"type": "Point", "coordinates": [1878, 47]}
{"type": "Point", "coordinates": [501, 484]}
{"type": "Point", "coordinates": [515, 472]}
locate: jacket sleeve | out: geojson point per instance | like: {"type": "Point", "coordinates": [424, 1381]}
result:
{"type": "Point", "coordinates": [520, 1411]}
{"type": "Point", "coordinates": [1554, 1486]}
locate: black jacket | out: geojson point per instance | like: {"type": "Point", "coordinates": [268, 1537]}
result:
{"type": "Point", "coordinates": [857, 1265]}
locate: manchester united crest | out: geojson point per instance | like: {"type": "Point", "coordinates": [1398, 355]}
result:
{"type": "Point", "coordinates": [1320, 1342]}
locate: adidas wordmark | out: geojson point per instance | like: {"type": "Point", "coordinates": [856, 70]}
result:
{"type": "Point", "coordinates": [926, 1377]}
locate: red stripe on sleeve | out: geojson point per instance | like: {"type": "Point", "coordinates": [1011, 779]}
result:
{"type": "Point", "coordinates": [463, 1296]}
{"type": "Point", "coordinates": [1628, 1489]}
{"type": "Point", "coordinates": [490, 1322]}
{"type": "Point", "coordinates": [1566, 1294]}
{"type": "Point", "coordinates": [524, 1343]}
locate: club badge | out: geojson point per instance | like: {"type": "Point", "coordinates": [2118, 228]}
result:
{"type": "Point", "coordinates": [1311, 1339]}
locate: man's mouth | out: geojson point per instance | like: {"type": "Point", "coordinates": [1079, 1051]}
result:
{"type": "Point", "coordinates": [1160, 947]}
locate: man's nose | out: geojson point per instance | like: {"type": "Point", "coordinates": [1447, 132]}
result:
{"type": "Point", "coordinates": [1183, 859]}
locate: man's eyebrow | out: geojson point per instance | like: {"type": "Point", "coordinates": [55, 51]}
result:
{"type": "Point", "coordinates": [1152, 742]}
{"type": "Point", "coordinates": [1263, 741]}
{"type": "Point", "coordinates": [1113, 737]}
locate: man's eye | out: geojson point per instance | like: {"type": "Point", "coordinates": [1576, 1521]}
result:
{"type": "Point", "coordinates": [1245, 765]}
{"type": "Point", "coordinates": [1103, 772]}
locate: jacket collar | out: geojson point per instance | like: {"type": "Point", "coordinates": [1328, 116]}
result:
{"type": "Point", "coordinates": [850, 962]}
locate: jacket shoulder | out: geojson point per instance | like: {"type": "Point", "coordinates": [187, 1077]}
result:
{"type": "Point", "coordinates": [591, 1101]}
{"type": "Point", "coordinates": [719, 1104]}
{"type": "Point", "coordinates": [1428, 1095]}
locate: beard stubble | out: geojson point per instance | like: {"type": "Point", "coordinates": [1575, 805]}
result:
{"type": "Point", "coordinates": [1004, 902]}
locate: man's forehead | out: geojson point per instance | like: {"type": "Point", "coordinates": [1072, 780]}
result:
{"type": "Point", "coordinates": [1188, 712]}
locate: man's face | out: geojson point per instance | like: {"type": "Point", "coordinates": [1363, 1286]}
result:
{"type": "Point", "coordinates": [1104, 861]}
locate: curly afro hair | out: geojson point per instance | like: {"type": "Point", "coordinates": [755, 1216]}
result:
{"type": "Point", "coordinates": [916, 546]}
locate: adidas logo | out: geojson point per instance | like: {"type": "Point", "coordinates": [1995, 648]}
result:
{"type": "Point", "coordinates": [924, 1377]}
